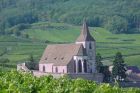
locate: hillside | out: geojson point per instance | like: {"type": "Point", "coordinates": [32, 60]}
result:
{"type": "Point", "coordinates": [107, 43]}
{"type": "Point", "coordinates": [118, 16]}
{"type": "Point", "coordinates": [18, 49]}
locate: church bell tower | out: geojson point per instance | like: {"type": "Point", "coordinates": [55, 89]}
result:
{"type": "Point", "coordinates": [89, 45]}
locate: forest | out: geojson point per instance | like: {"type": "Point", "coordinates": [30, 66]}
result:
{"type": "Point", "coordinates": [118, 16]}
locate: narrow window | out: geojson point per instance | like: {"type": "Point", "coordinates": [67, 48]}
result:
{"type": "Point", "coordinates": [90, 70]}
{"type": "Point", "coordinates": [79, 66]}
{"type": "Point", "coordinates": [56, 70]}
{"type": "Point", "coordinates": [85, 66]}
{"type": "Point", "coordinates": [63, 71]}
{"type": "Point", "coordinates": [43, 68]}
{"type": "Point", "coordinates": [74, 66]}
{"type": "Point", "coordinates": [90, 46]}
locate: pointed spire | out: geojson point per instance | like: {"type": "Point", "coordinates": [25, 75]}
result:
{"type": "Point", "coordinates": [85, 34]}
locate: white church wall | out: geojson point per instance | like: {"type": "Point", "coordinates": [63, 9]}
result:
{"type": "Point", "coordinates": [59, 69]}
{"type": "Point", "coordinates": [48, 67]}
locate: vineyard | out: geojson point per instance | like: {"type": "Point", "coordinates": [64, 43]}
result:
{"type": "Point", "coordinates": [18, 49]}
{"type": "Point", "coordinates": [15, 82]}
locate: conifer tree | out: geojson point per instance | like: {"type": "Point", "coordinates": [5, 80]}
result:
{"type": "Point", "coordinates": [119, 69]}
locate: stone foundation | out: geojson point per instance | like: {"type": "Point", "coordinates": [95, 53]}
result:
{"type": "Point", "coordinates": [98, 77]}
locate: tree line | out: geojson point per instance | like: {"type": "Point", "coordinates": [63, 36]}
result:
{"type": "Point", "coordinates": [118, 16]}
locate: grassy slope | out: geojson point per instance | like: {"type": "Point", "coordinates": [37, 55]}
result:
{"type": "Point", "coordinates": [107, 43]}
{"type": "Point", "coordinates": [18, 50]}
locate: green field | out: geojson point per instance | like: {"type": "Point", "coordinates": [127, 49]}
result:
{"type": "Point", "coordinates": [19, 49]}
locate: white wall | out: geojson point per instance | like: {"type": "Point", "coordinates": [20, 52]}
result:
{"type": "Point", "coordinates": [52, 69]}
{"type": "Point", "coordinates": [48, 67]}
{"type": "Point", "coordinates": [61, 69]}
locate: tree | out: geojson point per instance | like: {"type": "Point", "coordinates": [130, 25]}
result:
{"type": "Point", "coordinates": [98, 62]}
{"type": "Point", "coordinates": [31, 64]}
{"type": "Point", "coordinates": [119, 69]}
{"type": "Point", "coordinates": [31, 58]}
{"type": "Point", "coordinates": [123, 17]}
{"type": "Point", "coordinates": [107, 75]}
{"type": "Point", "coordinates": [102, 69]}
{"type": "Point", "coordinates": [117, 24]}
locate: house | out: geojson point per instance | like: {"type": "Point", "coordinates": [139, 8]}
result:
{"type": "Point", "coordinates": [76, 60]}
{"type": "Point", "coordinates": [133, 69]}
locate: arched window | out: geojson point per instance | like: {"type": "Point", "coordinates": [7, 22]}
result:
{"type": "Point", "coordinates": [74, 66]}
{"type": "Point", "coordinates": [43, 68]}
{"type": "Point", "coordinates": [79, 66]}
{"type": "Point", "coordinates": [56, 70]}
{"type": "Point", "coordinates": [85, 66]}
{"type": "Point", "coordinates": [90, 46]}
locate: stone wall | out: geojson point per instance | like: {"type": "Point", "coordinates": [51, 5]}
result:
{"type": "Point", "coordinates": [27, 66]}
{"type": "Point", "coordinates": [22, 67]}
{"type": "Point", "coordinates": [98, 77]}
{"type": "Point", "coordinates": [95, 77]}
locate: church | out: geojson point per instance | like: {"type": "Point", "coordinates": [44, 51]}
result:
{"type": "Point", "coordinates": [76, 60]}
{"type": "Point", "coordinates": [78, 57]}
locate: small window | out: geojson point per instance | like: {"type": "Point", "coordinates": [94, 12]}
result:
{"type": "Point", "coordinates": [85, 66]}
{"type": "Point", "coordinates": [90, 70]}
{"type": "Point", "coordinates": [56, 70]}
{"type": "Point", "coordinates": [90, 46]}
{"type": "Point", "coordinates": [43, 68]}
{"type": "Point", "coordinates": [79, 66]}
{"type": "Point", "coordinates": [63, 71]}
{"type": "Point", "coordinates": [62, 58]}
{"type": "Point", "coordinates": [74, 66]}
